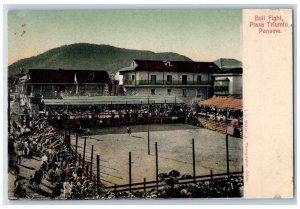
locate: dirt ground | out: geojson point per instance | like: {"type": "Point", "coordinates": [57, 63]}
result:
{"type": "Point", "coordinates": [174, 151]}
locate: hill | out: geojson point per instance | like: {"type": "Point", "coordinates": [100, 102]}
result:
{"type": "Point", "coordinates": [89, 57]}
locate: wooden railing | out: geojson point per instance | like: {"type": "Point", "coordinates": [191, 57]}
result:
{"type": "Point", "coordinates": [158, 184]}
{"type": "Point", "coordinates": [164, 82]}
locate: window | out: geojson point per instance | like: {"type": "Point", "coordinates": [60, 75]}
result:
{"type": "Point", "coordinates": [169, 79]}
{"type": "Point", "coordinates": [221, 88]}
{"type": "Point", "coordinates": [42, 89]}
{"type": "Point", "coordinates": [169, 91]}
{"type": "Point", "coordinates": [132, 77]}
{"type": "Point", "coordinates": [153, 79]}
{"type": "Point", "coordinates": [199, 79]}
{"type": "Point", "coordinates": [126, 77]}
{"type": "Point", "coordinates": [198, 93]}
{"type": "Point", "coordinates": [184, 92]}
{"type": "Point", "coordinates": [152, 91]}
{"type": "Point", "coordinates": [184, 79]}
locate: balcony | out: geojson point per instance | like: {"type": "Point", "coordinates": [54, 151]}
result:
{"type": "Point", "coordinates": [221, 93]}
{"type": "Point", "coordinates": [164, 83]}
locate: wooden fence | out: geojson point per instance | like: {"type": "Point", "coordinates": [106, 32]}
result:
{"type": "Point", "coordinates": [160, 183]}
{"type": "Point", "coordinates": [95, 177]}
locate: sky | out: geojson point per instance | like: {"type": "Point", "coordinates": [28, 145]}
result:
{"type": "Point", "coordinates": [200, 34]}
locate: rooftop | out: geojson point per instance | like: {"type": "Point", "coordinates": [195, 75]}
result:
{"type": "Point", "coordinates": [67, 76]}
{"type": "Point", "coordinates": [225, 63]}
{"type": "Point", "coordinates": [222, 102]}
{"type": "Point", "coordinates": [103, 100]}
{"type": "Point", "coordinates": [175, 66]}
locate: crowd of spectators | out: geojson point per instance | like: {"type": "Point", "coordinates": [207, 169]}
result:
{"type": "Point", "coordinates": [223, 188]}
{"type": "Point", "coordinates": [61, 169]}
{"type": "Point", "coordinates": [234, 117]}
{"type": "Point", "coordinates": [98, 116]}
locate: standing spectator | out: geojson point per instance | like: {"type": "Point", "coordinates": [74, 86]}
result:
{"type": "Point", "coordinates": [234, 122]}
{"type": "Point", "coordinates": [129, 131]}
{"type": "Point", "coordinates": [67, 188]}
{"type": "Point", "coordinates": [26, 149]}
{"type": "Point", "coordinates": [11, 164]}
{"type": "Point", "coordinates": [79, 171]}
{"type": "Point", "coordinates": [37, 179]}
{"type": "Point", "coordinates": [88, 131]}
{"type": "Point", "coordinates": [44, 158]}
{"type": "Point", "coordinates": [56, 190]}
{"type": "Point", "coordinates": [20, 191]}
{"type": "Point", "coordinates": [19, 156]}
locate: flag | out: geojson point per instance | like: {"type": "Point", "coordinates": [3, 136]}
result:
{"type": "Point", "coordinates": [75, 78]}
{"type": "Point", "coordinates": [75, 81]}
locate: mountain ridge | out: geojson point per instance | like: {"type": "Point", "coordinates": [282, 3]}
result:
{"type": "Point", "coordinates": [88, 56]}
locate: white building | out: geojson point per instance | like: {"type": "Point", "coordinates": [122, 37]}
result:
{"type": "Point", "coordinates": [229, 81]}
{"type": "Point", "coordinates": [185, 80]}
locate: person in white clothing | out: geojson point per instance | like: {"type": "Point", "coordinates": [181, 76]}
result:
{"type": "Point", "coordinates": [44, 159]}
{"type": "Point", "coordinates": [67, 189]}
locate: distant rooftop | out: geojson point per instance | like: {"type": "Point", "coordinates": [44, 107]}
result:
{"type": "Point", "coordinates": [67, 76]}
{"type": "Point", "coordinates": [175, 66]}
{"type": "Point", "coordinates": [225, 63]}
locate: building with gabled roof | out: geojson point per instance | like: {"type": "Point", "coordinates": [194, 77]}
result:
{"type": "Point", "coordinates": [59, 83]}
{"type": "Point", "coordinates": [183, 79]}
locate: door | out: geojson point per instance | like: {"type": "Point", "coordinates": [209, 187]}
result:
{"type": "Point", "coordinates": [184, 79]}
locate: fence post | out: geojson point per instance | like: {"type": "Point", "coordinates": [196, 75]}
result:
{"type": "Point", "coordinates": [130, 171]}
{"type": "Point", "coordinates": [215, 113]}
{"type": "Point", "coordinates": [211, 174]}
{"type": "Point", "coordinates": [144, 185]}
{"type": "Point", "coordinates": [242, 169]}
{"type": "Point", "coordinates": [148, 127]}
{"type": "Point", "coordinates": [194, 166]}
{"type": "Point", "coordinates": [225, 116]}
{"type": "Point", "coordinates": [83, 157]}
{"type": "Point", "coordinates": [98, 173]}
{"type": "Point", "coordinates": [156, 163]}
{"type": "Point", "coordinates": [227, 155]}
{"type": "Point", "coordinates": [115, 189]}
{"type": "Point", "coordinates": [91, 168]}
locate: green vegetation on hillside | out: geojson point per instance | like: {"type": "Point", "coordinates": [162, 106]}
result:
{"type": "Point", "coordinates": [85, 56]}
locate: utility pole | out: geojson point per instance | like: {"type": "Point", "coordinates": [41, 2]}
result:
{"type": "Point", "coordinates": [148, 127]}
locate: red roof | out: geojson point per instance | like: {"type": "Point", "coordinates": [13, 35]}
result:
{"type": "Point", "coordinates": [221, 102]}
{"type": "Point", "coordinates": [67, 76]}
{"type": "Point", "coordinates": [177, 66]}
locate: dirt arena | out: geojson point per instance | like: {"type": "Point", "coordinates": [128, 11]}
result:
{"type": "Point", "coordinates": [174, 151]}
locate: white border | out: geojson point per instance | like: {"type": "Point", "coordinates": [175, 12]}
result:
{"type": "Point", "coordinates": [159, 4]}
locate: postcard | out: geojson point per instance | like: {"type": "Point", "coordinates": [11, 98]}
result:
{"type": "Point", "coordinates": [150, 104]}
